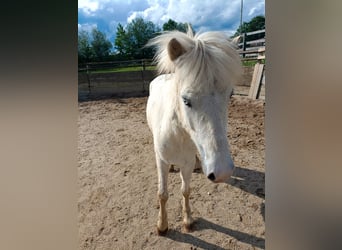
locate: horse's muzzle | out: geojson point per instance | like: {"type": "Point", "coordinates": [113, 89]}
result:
{"type": "Point", "coordinates": [211, 177]}
{"type": "Point", "coordinates": [223, 178]}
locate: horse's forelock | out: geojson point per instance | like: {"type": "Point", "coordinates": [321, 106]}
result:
{"type": "Point", "coordinates": [204, 55]}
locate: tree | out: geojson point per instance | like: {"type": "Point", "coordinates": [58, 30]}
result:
{"type": "Point", "coordinates": [121, 41]}
{"type": "Point", "coordinates": [100, 45]}
{"type": "Point", "coordinates": [173, 25]}
{"type": "Point", "coordinates": [257, 23]}
{"type": "Point", "coordinates": [130, 42]}
{"type": "Point", "coordinates": [85, 52]}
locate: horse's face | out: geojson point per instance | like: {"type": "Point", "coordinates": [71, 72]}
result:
{"type": "Point", "coordinates": [204, 117]}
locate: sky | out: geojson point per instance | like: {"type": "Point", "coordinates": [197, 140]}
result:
{"type": "Point", "coordinates": [204, 15]}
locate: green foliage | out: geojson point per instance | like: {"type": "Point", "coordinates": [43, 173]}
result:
{"type": "Point", "coordinates": [173, 25]}
{"type": "Point", "coordinates": [100, 45]}
{"type": "Point", "coordinates": [94, 47]}
{"type": "Point", "coordinates": [257, 23]}
{"type": "Point", "coordinates": [121, 40]}
{"type": "Point", "coordinates": [85, 52]}
{"type": "Point", "coordinates": [130, 42]}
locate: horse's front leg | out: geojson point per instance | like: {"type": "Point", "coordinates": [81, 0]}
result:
{"type": "Point", "coordinates": [163, 171]}
{"type": "Point", "coordinates": [185, 174]}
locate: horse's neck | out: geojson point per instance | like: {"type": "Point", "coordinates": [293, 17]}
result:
{"type": "Point", "coordinates": [172, 91]}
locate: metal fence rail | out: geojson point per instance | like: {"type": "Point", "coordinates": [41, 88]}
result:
{"type": "Point", "coordinates": [97, 66]}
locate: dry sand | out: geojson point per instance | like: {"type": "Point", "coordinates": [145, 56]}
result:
{"type": "Point", "coordinates": [118, 203]}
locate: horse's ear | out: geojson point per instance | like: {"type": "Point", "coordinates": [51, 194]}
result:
{"type": "Point", "coordinates": [236, 40]}
{"type": "Point", "coordinates": [175, 49]}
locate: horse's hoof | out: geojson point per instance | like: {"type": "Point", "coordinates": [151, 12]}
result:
{"type": "Point", "coordinates": [161, 232]}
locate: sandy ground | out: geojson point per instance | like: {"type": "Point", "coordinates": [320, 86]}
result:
{"type": "Point", "coordinates": [118, 203]}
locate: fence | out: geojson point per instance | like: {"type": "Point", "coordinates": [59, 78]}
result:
{"type": "Point", "coordinates": [255, 50]}
{"type": "Point", "coordinates": [103, 66]}
{"type": "Point", "coordinates": [250, 50]}
{"type": "Point", "coordinates": [119, 78]}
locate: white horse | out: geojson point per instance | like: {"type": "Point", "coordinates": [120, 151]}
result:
{"type": "Point", "coordinates": [187, 110]}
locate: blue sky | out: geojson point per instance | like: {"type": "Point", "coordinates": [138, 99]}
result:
{"type": "Point", "coordinates": [218, 15]}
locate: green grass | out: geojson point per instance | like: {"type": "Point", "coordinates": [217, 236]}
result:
{"type": "Point", "coordinates": [251, 63]}
{"type": "Point", "coordinates": [124, 69]}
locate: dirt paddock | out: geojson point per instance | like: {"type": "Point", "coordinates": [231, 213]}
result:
{"type": "Point", "coordinates": [118, 204]}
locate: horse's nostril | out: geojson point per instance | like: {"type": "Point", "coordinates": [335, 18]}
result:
{"type": "Point", "coordinates": [211, 177]}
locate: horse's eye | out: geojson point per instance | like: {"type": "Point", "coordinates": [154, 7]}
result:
{"type": "Point", "coordinates": [187, 102]}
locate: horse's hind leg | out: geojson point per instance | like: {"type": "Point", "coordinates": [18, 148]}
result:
{"type": "Point", "coordinates": [163, 170]}
{"type": "Point", "coordinates": [185, 173]}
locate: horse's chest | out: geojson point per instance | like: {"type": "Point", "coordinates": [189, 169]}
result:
{"type": "Point", "coordinates": [176, 148]}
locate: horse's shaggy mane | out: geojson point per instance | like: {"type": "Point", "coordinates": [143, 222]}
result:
{"type": "Point", "coordinates": [209, 57]}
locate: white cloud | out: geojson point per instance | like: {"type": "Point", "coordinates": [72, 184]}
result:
{"type": "Point", "coordinates": [87, 26]}
{"type": "Point", "coordinates": [214, 12]}
{"type": "Point", "coordinates": [254, 8]}
{"type": "Point", "coordinates": [88, 6]}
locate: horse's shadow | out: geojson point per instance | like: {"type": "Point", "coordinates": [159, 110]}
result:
{"type": "Point", "coordinates": [250, 181]}
{"type": "Point", "coordinates": [202, 224]}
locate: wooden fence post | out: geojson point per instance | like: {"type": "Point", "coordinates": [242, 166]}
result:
{"type": "Point", "coordinates": [88, 78]}
{"type": "Point", "coordinates": [255, 88]}
{"type": "Point", "coordinates": [143, 64]}
{"type": "Point", "coordinates": [244, 45]}
{"type": "Point", "coordinates": [142, 75]}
